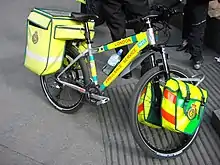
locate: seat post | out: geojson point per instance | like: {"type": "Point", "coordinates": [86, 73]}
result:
{"type": "Point", "coordinates": [87, 33]}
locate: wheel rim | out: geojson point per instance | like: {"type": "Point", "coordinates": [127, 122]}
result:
{"type": "Point", "coordinates": [63, 91]}
{"type": "Point", "coordinates": [165, 142]}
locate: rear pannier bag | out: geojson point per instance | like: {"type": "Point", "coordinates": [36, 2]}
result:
{"type": "Point", "coordinates": [47, 32]}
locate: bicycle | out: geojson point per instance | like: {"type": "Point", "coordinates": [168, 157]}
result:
{"type": "Point", "coordinates": [75, 74]}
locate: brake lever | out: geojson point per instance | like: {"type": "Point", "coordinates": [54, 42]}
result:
{"type": "Point", "coordinates": [167, 25]}
{"type": "Point", "coordinates": [133, 21]}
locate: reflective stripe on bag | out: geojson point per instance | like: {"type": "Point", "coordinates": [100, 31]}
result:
{"type": "Point", "coordinates": [40, 58]}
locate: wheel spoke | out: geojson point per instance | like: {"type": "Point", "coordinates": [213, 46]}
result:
{"type": "Point", "coordinates": [159, 142]}
{"type": "Point", "coordinates": [65, 98]}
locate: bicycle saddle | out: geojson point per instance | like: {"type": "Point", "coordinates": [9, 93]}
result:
{"type": "Point", "coordinates": [83, 17]}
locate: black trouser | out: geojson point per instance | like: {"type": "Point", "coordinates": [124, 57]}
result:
{"type": "Point", "coordinates": [115, 18]}
{"type": "Point", "coordinates": [194, 24]}
{"type": "Point", "coordinates": [83, 8]}
{"type": "Point", "coordinates": [93, 7]}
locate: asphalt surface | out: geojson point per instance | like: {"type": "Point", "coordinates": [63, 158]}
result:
{"type": "Point", "coordinates": [32, 132]}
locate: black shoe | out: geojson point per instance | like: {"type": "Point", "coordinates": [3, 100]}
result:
{"type": "Point", "coordinates": [197, 64]}
{"type": "Point", "coordinates": [187, 50]}
{"type": "Point", "coordinates": [183, 46]}
{"type": "Point", "coordinates": [127, 76]}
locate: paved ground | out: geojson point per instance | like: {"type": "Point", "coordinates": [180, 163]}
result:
{"type": "Point", "coordinates": [32, 132]}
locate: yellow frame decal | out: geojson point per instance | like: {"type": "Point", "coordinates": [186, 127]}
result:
{"type": "Point", "coordinates": [123, 42]}
{"type": "Point", "coordinates": [142, 42]}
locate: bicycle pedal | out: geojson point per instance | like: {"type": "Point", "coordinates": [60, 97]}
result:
{"type": "Point", "coordinates": [97, 99]}
{"type": "Point", "coordinates": [103, 101]}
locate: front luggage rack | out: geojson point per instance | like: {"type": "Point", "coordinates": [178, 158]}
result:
{"type": "Point", "coordinates": [199, 78]}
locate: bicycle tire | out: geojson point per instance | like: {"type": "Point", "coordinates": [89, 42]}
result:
{"type": "Point", "coordinates": [134, 125]}
{"type": "Point", "coordinates": [74, 53]}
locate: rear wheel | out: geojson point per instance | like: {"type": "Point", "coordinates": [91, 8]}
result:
{"type": "Point", "coordinates": [62, 97]}
{"type": "Point", "coordinates": [158, 142]}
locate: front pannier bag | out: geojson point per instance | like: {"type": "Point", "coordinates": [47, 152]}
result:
{"type": "Point", "coordinates": [183, 106]}
{"type": "Point", "coordinates": [148, 108]}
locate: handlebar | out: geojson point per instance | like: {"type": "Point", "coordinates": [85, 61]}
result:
{"type": "Point", "coordinates": [142, 19]}
{"type": "Point", "coordinates": [159, 13]}
{"type": "Point", "coordinates": [133, 21]}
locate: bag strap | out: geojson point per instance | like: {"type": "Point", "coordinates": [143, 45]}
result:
{"type": "Point", "coordinates": [187, 96]}
{"type": "Point", "coordinates": [187, 89]}
{"type": "Point", "coordinates": [152, 92]}
{"type": "Point", "coordinates": [202, 102]}
{"type": "Point", "coordinates": [187, 92]}
{"type": "Point", "coordinates": [203, 98]}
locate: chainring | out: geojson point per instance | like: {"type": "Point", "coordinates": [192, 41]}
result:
{"type": "Point", "coordinates": [92, 89]}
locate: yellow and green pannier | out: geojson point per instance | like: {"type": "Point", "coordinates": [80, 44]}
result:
{"type": "Point", "coordinates": [183, 106]}
{"type": "Point", "coordinates": [148, 114]}
{"type": "Point", "coordinates": [47, 33]}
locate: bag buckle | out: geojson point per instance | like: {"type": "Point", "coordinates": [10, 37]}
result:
{"type": "Point", "coordinates": [187, 96]}
{"type": "Point", "coordinates": [203, 101]}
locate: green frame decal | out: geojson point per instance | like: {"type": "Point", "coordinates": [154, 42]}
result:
{"type": "Point", "coordinates": [141, 41]}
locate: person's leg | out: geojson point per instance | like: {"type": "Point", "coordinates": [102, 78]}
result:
{"type": "Point", "coordinates": [138, 9]}
{"type": "Point", "coordinates": [186, 21]}
{"type": "Point", "coordinates": [83, 8]}
{"type": "Point", "coordinates": [186, 26]}
{"type": "Point", "coordinates": [199, 14]}
{"type": "Point", "coordinates": [115, 20]}
{"type": "Point", "coordinates": [95, 7]}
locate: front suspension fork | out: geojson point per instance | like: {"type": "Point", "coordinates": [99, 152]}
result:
{"type": "Point", "coordinates": [164, 55]}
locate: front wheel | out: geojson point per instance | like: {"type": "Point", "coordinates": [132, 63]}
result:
{"type": "Point", "coordinates": [158, 142]}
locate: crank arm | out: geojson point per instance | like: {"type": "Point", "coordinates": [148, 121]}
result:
{"type": "Point", "coordinates": [102, 99]}
{"type": "Point", "coordinates": [76, 87]}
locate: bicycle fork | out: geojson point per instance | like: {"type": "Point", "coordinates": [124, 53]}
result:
{"type": "Point", "coordinates": [163, 60]}
{"type": "Point", "coordinates": [199, 78]}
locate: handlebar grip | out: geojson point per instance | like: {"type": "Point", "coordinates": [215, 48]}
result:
{"type": "Point", "coordinates": [177, 12]}
{"type": "Point", "coordinates": [133, 21]}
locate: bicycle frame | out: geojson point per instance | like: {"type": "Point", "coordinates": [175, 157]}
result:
{"type": "Point", "coordinates": [141, 41]}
